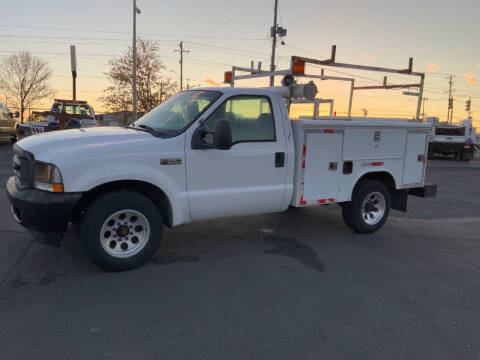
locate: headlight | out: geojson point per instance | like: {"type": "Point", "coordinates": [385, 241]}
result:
{"type": "Point", "coordinates": [47, 177]}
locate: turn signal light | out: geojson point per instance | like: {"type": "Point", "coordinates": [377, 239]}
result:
{"type": "Point", "coordinates": [299, 67]}
{"type": "Point", "coordinates": [227, 77]}
{"type": "Point", "coordinates": [57, 188]}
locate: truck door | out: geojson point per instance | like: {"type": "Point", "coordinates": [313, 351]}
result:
{"type": "Point", "coordinates": [323, 154]}
{"type": "Point", "coordinates": [414, 168]}
{"type": "Point", "coordinates": [248, 178]}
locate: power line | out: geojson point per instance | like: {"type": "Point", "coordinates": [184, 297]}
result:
{"type": "Point", "coordinates": [127, 33]}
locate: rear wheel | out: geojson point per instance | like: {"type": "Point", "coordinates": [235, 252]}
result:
{"type": "Point", "coordinates": [369, 208]}
{"type": "Point", "coordinates": [121, 231]}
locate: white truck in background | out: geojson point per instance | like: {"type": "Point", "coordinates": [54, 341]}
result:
{"type": "Point", "coordinates": [208, 153]}
{"type": "Point", "coordinates": [457, 139]}
{"type": "Point", "coordinates": [64, 114]}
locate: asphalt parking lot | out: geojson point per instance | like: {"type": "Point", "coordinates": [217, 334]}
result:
{"type": "Point", "coordinates": [296, 285]}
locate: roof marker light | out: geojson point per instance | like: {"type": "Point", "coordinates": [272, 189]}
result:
{"type": "Point", "coordinates": [227, 77]}
{"type": "Point", "coordinates": [299, 67]}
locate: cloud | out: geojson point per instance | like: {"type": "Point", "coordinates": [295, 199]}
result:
{"type": "Point", "coordinates": [431, 67]}
{"type": "Point", "coordinates": [368, 56]}
{"type": "Point", "coordinates": [211, 82]}
{"type": "Point", "coordinates": [470, 78]}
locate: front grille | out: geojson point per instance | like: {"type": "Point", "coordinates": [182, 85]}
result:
{"type": "Point", "coordinates": [22, 167]}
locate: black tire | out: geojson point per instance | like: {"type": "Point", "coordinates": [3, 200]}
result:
{"type": "Point", "coordinates": [97, 214]}
{"type": "Point", "coordinates": [352, 212]}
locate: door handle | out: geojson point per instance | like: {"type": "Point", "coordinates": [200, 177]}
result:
{"type": "Point", "coordinates": [279, 159]}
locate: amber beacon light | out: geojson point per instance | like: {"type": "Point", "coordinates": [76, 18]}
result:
{"type": "Point", "coordinates": [227, 77]}
{"type": "Point", "coordinates": [299, 67]}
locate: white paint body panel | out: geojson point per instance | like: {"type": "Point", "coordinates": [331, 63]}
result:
{"type": "Point", "coordinates": [414, 169]}
{"type": "Point", "coordinates": [330, 141]}
{"type": "Point", "coordinates": [94, 156]}
{"type": "Point", "coordinates": [324, 150]}
{"type": "Point", "coordinates": [242, 180]}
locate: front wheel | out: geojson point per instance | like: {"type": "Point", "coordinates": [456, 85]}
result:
{"type": "Point", "coordinates": [369, 207]}
{"type": "Point", "coordinates": [121, 231]}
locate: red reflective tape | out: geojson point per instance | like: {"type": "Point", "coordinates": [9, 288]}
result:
{"type": "Point", "coordinates": [303, 164]}
{"type": "Point", "coordinates": [377, 163]}
{"type": "Point", "coordinates": [321, 201]}
{"type": "Point", "coordinates": [302, 183]}
{"type": "Point", "coordinates": [302, 202]}
{"type": "Point", "coordinates": [304, 150]}
{"type": "Point", "coordinates": [331, 200]}
{"type": "Point", "coordinates": [329, 131]}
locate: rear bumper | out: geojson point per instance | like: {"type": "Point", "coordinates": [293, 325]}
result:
{"type": "Point", "coordinates": [44, 214]}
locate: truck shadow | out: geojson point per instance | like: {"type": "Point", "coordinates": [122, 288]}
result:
{"type": "Point", "coordinates": [293, 249]}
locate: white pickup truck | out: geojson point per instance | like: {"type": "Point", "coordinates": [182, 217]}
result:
{"type": "Point", "coordinates": [209, 153]}
{"type": "Point", "coordinates": [64, 114]}
{"type": "Point", "coordinates": [457, 139]}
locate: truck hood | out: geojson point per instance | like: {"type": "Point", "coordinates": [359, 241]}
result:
{"type": "Point", "coordinates": [45, 147]}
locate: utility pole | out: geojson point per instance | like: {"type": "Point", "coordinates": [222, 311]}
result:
{"type": "Point", "coordinates": [273, 33]}
{"type": "Point", "coordinates": [134, 60]}
{"type": "Point", "coordinates": [450, 100]}
{"type": "Point", "coordinates": [181, 51]}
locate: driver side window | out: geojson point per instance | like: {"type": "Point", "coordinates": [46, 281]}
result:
{"type": "Point", "coordinates": [250, 117]}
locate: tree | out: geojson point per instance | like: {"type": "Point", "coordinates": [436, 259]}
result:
{"type": "Point", "coordinates": [25, 80]}
{"type": "Point", "coordinates": [152, 86]}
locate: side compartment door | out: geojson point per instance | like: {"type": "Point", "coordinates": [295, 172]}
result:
{"type": "Point", "coordinates": [249, 177]}
{"type": "Point", "coordinates": [323, 154]}
{"type": "Point", "coordinates": [415, 157]}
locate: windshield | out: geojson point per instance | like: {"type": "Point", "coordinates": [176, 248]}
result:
{"type": "Point", "coordinates": [179, 111]}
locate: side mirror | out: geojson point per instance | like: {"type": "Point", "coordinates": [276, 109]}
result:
{"type": "Point", "coordinates": [222, 136]}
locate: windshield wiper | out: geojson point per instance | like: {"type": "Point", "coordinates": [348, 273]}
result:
{"type": "Point", "coordinates": [146, 127]}
{"type": "Point", "coordinates": [160, 132]}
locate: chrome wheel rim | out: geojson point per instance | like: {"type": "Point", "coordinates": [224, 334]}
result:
{"type": "Point", "coordinates": [373, 208]}
{"type": "Point", "coordinates": [124, 233]}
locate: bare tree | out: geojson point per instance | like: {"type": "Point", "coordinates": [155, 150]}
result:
{"type": "Point", "coordinates": [152, 86]}
{"type": "Point", "coordinates": [25, 80]}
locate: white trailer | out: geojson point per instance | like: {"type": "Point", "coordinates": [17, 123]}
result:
{"type": "Point", "coordinates": [208, 153]}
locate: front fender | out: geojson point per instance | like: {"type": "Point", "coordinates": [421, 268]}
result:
{"type": "Point", "coordinates": [172, 183]}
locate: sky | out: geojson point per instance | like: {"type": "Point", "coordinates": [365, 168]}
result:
{"type": "Point", "coordinates": [441, 36]}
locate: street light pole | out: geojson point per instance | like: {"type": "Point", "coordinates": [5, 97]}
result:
{"type": "Point", "coordinates": [134, 62]}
